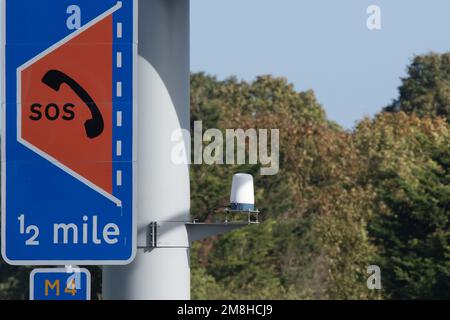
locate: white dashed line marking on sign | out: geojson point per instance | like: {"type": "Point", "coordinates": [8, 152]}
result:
{"type": "Point", "coordinates": [119, 148]}
{"type": "Point", "coordinates": [119, 178]}
{"type": "Point", "coordinates": [119, 60]}
{"type": "Point", "coordinates": [119, 89]}
{"type": "Point", "coordinates": [119, 30]}
{"type": "Point", "coordinates": [119, 93]}
{"type": "Point", "coordinates": [119, 118]}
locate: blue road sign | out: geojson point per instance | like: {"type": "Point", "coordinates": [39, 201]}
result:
{"type": "Point", "coordinates": [60, 284]}
{"type": "Point", "coordinates": [68, 142]}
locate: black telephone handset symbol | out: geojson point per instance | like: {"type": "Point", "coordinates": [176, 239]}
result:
{"type": "Point", "coordinates": [94, 126]}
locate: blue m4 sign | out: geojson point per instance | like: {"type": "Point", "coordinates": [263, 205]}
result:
{"type": "Point", "coordinates": [68, 141]}
{"type": "Point", "coordinates": [60, 284]}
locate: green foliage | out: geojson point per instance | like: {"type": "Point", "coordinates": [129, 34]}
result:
{"type": "Point", "coordinates": [426, 89]}
{"type": "Point", "coordinates": [245, 263]}
{"type": "Point", "coordinates": [206, 286]}
{"type": "Point", "coordinates": [13, 282]}
{"type": "Point", "coordinates": [409, 166]}
{"type": "Point", "coordinates": [294, 258]}
{"type": "Point", "coordinates": [346, 185]}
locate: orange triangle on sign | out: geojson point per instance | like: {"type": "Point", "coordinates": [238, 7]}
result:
{"type": "Point", "coordinates": [53, 121]}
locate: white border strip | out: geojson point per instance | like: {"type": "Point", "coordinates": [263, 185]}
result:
{"type": "Point", "coordinates": [3, 138]}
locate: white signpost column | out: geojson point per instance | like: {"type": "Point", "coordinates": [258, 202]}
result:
{"type": "Point", "coordinates": [161, 272]}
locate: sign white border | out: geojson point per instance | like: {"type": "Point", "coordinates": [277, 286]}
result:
{"type": "Point", "coordinates": [62, 270]}
{"type": "Point", "coordinates": [3, 155]}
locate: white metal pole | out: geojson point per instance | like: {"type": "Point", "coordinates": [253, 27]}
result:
{"type": "Point", "coordinates": [163, 187]}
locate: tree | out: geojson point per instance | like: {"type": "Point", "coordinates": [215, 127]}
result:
{"type": "Point", "coordinates": [314, 207]}
{"type": "Point", "coordinates": [408, 164]}
{"type": "Point", "coordinates": [426, 89]}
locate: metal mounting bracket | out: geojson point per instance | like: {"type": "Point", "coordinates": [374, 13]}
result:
{"type": "Point", "coordinates": [173, 234]}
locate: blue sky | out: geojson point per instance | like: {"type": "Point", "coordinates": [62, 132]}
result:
{"type": "Point", "coordinates": [322, 45]}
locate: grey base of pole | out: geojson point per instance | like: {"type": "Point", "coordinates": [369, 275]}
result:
{"type": "Point", "coordinates": [150, 277]}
